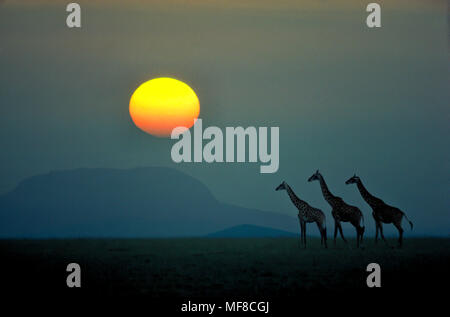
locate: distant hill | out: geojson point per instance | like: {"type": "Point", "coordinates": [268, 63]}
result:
{"type": "Point", "coordinates": [140, 202]}
{"type": "Point", "coordinates": [251, 231]}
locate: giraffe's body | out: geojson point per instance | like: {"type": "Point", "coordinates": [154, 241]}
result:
{"type": "Point", "coordinates": [306, 214]}
{"type": "Point", "coordinates": [341, 211]}
{"type": "Point", "coordinates": [381, 212]}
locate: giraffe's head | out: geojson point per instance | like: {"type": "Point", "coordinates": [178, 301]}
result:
{"type": "Point", "coordinates": [282, 186]}
{"type": "Point", "coordinates": [352, 180]}
{"type": "Point", "coordinates": [314, 177]}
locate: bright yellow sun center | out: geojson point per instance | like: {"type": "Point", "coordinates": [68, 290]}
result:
{"type": "Point", "coordinates": [162, 104]}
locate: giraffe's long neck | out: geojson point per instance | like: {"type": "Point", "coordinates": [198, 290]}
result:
{"type": "Point", "coordinates": [294, 198]}
{"type": "Point", "coordinates": [369, 198]}
{"type": "Point", "coordinates": [329, 197]}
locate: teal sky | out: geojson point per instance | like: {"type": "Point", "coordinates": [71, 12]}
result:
{"type": "Point", "coordinates": [346, 98]}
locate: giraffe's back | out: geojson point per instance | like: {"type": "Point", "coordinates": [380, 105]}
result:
{"type": "Point", "coordinates": [388, 214]}
{"type": "Point", "coordinates": [315, 215]}
{"type": "Point", "coordinates": [347, 213]}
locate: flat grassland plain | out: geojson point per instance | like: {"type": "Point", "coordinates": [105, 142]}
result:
{"type": "Point", "coordinates": [239, 268]}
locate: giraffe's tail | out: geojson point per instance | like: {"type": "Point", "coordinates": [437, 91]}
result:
{"type": "Point", "coordinates": [410, 222]}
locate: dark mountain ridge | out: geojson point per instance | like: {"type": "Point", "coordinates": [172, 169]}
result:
{"type": "Point", "coordinates": [139, 202]}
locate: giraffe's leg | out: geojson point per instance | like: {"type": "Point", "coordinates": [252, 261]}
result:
{"type": "Point", "coordinates": [340, 231]}
{"type": "Point", "coordinates": [323, 234]}
{"type": "Point", "coordinates": [357, 233]}
{"type": "Point", "coordinates": [304, 234]}
{"type": "Point", "coordinates": [398, 225]}
{"type": "Point", "coordinates": [335, 230]}
{"type": "Point", "coordinates": [301, 232]}
{"type": "Point", "coordinates": [320, 230]}
{"type": "Point", "coordinates": [360, 231]}
{"type": "Point", "coordinates": [361, 235]}
{"type": "Point", "coordinates": [377, 225]}
{"type": "Point", "coordinates": [381, 232]}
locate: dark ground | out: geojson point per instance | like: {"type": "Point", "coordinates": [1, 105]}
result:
{"type": "Point", "coordinates": [241, 269]}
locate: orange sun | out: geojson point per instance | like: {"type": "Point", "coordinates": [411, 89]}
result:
{"type": "Point", "coordinates": [162, 104]}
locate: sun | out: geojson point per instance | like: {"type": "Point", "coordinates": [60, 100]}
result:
{"type": "Point", "coordinates": [162, 104]}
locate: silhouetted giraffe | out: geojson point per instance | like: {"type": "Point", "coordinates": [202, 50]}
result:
{"type": "Point", "coordinates": [306, 214]}
{"type": "Point", "coordinates": [382, 212]}
{"type": "Point", "coordinates": [341, 211]}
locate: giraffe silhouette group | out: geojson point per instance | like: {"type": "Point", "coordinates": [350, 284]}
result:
{"type": "Point", "coordinates": [343, 212]}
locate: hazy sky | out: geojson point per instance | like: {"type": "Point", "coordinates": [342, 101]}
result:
{"type": "Point", "coordinates": [346, 98]}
